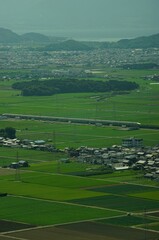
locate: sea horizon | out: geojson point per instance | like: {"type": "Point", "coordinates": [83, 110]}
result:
{"type": "Point", "coordinates": [100, 35]}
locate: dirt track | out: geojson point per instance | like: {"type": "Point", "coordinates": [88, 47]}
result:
{"type": "Point", "coordinates": [81, 231]}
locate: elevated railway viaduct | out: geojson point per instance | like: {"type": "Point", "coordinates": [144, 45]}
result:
{"type": "Point", "coordinates": [74, 120]}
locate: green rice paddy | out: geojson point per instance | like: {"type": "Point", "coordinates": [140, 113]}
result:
{"type": "Point", "coordinates": [38, 212]}
{"type": "Point", "coordinates": [93, 198]}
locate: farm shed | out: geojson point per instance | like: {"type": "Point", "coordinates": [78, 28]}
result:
{"type": "Point", "coordinates": [23, 163]}
{"type": "Point", "coordinates": [14, 165]}
{"type": "Point", "coordinates": [19, 164]}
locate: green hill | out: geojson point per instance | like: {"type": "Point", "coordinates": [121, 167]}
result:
{"type": "Point", "coordinates": [7, 36]}
{"type": "Point", "coordinates": [140, 42]}
{"type": "Point", "coordinates": [68, 45]}
{"type": "Point", "coordinates": [35, 37]}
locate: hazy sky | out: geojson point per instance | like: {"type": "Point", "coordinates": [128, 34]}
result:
{"type": "Point", "coordinates": [81, 18]}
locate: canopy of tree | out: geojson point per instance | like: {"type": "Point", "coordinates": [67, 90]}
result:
{"type": "Point", "coordinates": [8, 132]}
{"type": "Point", "coordinates": [55, 86]}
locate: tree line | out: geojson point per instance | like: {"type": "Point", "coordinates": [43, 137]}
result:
{"type": "Point", "coordinates": [55, 86]}
{"type": "Point", "coordinates": [141, 66]}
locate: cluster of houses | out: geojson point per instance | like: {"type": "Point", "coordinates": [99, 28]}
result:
{"type": "Point", "coordinates": [130, 155]}
{"type": "Point", "coordinates": [154, 77]}
{"type": "Point", "coordinates": [26, 144]}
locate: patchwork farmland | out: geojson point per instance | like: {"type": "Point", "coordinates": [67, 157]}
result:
{"type": "Point", "coordinates": [50, 199]}
{"type": "Point", "coordinates": [56, 205]}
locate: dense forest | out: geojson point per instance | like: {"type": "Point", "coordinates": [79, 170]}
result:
{"type": "Point", "coordinates": [55, 86]}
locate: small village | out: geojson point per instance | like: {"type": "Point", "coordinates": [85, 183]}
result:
{"type": "Point", "coordinates": [131, 154]}
{"type": "Point", "coordinates": [123, 157]}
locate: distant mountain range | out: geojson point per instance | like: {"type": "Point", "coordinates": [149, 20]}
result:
{"type": "Point", "coordinates": [59, 43]}
{"type": "Point", "coordinates": [140, 42]}
{"type": "Point", "coordinates": [8, 36]}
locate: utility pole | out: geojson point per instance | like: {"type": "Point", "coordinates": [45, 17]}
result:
{"type": "Point", "coordinates": [58, 166]}
{"type": "Point", "coordinates": [54, 138]}
{"type": "Point", "coordinates": [17, 170]}
{"type": "Point", "coordinates": [114, 110]}
{"type": "Point", "coordinates": [145, 232]}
